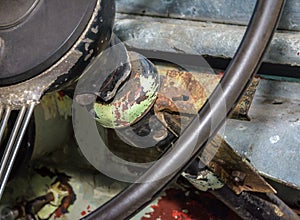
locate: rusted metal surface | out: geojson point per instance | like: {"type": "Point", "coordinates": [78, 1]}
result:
{"type": "Point", "coordinates": [234, 170]}
{"type": "Point", "coordinates": [253, 207]}
{"type": "Point", "coordinates": [182, 94]}
{"type": "Point", "coordinates": [241, 109]}
{"type": "Point", "coordinates": [289, 194]}
{"type": "Point", "coordinates": [180, 97]}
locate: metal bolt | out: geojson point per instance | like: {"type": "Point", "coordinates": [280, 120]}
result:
{"type": "Point", "coordinates": [238, 177]}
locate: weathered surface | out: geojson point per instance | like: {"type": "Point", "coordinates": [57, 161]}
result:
{"type": "Point", "coordinates": [231, 168]}
{"type": "Point", "coordinates": [181, 95]}
{"type": "Point", "coordinates": [204, 180]}
{"type": "Point", "coordinates": [182, 92]}
{"type": "Point", "coordinates": [224, 11]}
{"type": "Point", "coordinates": [200, 38]}
{"type": "Point", "coordinates": [134, 99]}
{"type": "Point", "coordinates": [271, 139]}
{"type": "Point", "coordinates": [242, 108]}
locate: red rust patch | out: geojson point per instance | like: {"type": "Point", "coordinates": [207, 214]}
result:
{"type": "Point", "coordinates": [180, 205]}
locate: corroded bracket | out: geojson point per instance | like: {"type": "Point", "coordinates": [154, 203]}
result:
{"type": "Point", "coordinates": [182, 94]}
{"type": "Point", "coordinates": [240, 111]}
{"type": "Point", "coordinates": [176, 114]}
{"type": "Point", "coordinates": [233, 169]}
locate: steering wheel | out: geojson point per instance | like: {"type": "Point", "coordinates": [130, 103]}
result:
{"type": "Point", "coordinates": [238, 74]}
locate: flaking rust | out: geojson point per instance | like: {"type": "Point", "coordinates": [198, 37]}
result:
{"type": "Point", "coordinates": [240, 111]}
{"type": "Point", "coordinates": [182, 94]}
{"type": "Point", "coordinates": [180, 98]}
{"type": "Point", "coordinates": [236, 171]}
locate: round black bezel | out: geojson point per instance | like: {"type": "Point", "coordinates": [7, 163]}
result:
{"type": "Point", "coordinates": [32, 46]}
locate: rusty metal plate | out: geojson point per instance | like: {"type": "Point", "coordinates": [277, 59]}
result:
{"type": "Point", "coordinates": [182, 94]}
{"type": "Point", "coordinates": [230, 167]}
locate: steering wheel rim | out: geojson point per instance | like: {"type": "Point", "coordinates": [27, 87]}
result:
{"type": "Point", "coordinates": [237, 76]}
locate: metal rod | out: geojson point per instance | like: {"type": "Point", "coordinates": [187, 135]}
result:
{"type": "Point", "coordinates": [12, 138]}
{"type": "Point", "coordinates": [1, 111]}
{"type": "Point", "coordinates": [10, 147]}
{"type": "Point", "coordinates": [250, 207]}
{"type": "Point", "coordinates": [14, 146]}
{"type": "Point", "coordinates": [4, 121]}
{"type": "Point", "coordinates": [288, 212]}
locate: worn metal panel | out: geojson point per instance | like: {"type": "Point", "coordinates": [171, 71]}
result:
{"type": "Point", "coordinates": [200, 38]}
{"type": "Point", "coordinates": [271, 139]}
{"type": "Point", "coordinates": [225, 11]}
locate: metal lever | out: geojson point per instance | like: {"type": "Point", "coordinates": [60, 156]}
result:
{"type": "Point", "coordinates": [5, 119]}
{"type": "Point", "coordinates": [14, 140]}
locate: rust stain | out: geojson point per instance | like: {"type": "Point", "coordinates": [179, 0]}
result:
{"type": "Point", "coordinates": [181, 96]}
{"type": "Point", "coordinates": [188, 205]}
{"type": "Point", "coordinates": [241, 109]}
{"type": "Point", "coordinates": [235, 171]}
{"type": "Point", "coordinates": [182, 92]}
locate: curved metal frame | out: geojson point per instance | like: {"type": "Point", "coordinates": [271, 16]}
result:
{"type": "Point", "coordinates": [243, 67]}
